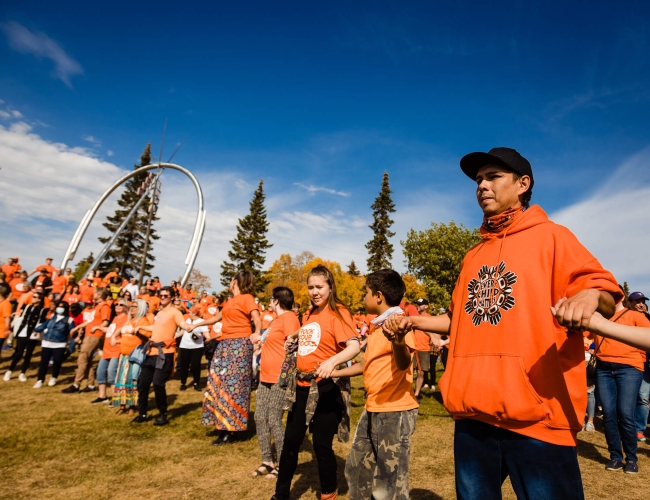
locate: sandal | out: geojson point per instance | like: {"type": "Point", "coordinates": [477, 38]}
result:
{"type": "Point", "coordinates": [262, 470]}
{"type": "Point", "coordinates": [273, 474]}
{"type": "Point", "coordinates": [121, 411]}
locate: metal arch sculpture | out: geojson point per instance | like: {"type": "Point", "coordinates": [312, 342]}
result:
{"type": "Point", "coordinates": [199, 226]}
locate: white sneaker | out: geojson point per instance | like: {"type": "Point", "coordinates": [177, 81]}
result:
{"type": "Point", "coordinates": [433, 388]}
{"type": "Point", "coordinates": [425, 386]}
{"type": "Point", "coordinates": [589, 427]}
{"type": "Point", "coordinates": [22, 377]}
{"type": "Point", "coordinates": [38, 384]}
{"type": "Point", "coordinates": [52, 381]}
{"type": "Point", "coordinates": [7, 376]}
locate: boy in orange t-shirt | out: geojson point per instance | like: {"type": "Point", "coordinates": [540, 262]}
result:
{"type": "Point", "coordinates": [383, 436]}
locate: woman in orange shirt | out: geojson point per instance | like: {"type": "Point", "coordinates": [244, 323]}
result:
{"type": "Point", "coordinates": [326, 339]}
{"type": "Point", "coordinates": [73, 297]}
{"type": "Point", "coordinates": [269, 405]}
{"type": "Point", "coordinates": [227, 396]}
{"type": "Point", "coordinates": [125, 393]}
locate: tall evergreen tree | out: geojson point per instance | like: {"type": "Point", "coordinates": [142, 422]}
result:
{"type": "Point", "coordinates": [126, 252]}
{"type": "Point", "coordinates": [379, 247]}
{"type": "Point", "coordinates": [353, 270]}
{"type": "Point", "coordinates": [250, 245]}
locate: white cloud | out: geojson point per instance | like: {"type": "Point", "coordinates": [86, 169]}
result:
{"type": "Point", "coordinates": [613, 223]}
{"type": "Point", "coordinates": [16, 114]}
{"type": "Point", "coordinates": [40, 45]}
{"type": "Point", "coordinates": [109, 153]}
{"type": "Point", "coordinates": [91, 139]}
{"type": "Point", "coordinates": [4, 114]}
{"type": "Point", "coordinates": [315, 189]}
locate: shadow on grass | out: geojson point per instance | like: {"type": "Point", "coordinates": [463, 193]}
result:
{"type": "Point", "coordinates": [185, 409]}
{"type": "Point", "coordinates": [308, 472]}
{"type": "Point", "coordinates": [591, 452]}
{"type": "Point", "coordinates": [420, 494]}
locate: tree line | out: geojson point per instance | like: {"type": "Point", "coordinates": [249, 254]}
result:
{"type": "Point", "coordinates": [432, 256]}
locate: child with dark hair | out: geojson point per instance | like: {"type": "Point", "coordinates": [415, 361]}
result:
{"type": "Point", "coordinates": [378, 464]}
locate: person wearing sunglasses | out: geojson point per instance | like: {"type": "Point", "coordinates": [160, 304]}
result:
{"type": "Point", "coordinates": [158, 366]}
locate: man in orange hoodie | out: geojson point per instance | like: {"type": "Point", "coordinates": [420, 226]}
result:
{"type": "Point", "coordinates": [515, 378]}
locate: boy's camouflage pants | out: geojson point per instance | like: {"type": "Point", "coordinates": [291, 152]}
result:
{"type": "Point", "coordinates": [378, 464]}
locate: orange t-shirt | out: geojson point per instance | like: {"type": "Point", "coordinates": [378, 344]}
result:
{"type": "Point", "coordinates": [129, 340]}
{"type": "Point", "coordinates": [5, 312]}
{"type": "Point", "coordinates": [322, 335]}
{"type": "Point", "coordinates": [72, 298]}
{"type": "Point", "coordinates": [267, 319]}
{"type": "Point", "coordinates": [100, 313]}
{"type": "Point", "coordinates": [10, 271]}
{"type": "Point", "coordinates": [612, 351]}
{"type": "Point", "coordinates": [109, 276]}
{"type": "Point", "coordinates": [422, 340]}
{"type": "Point", "coordinates": [153, 301]}
{"type": "Point", "coordinates": [48, 268]}
{"type": "Point", "coordinates": [236, 316]}
{"type": "Point", "coordinates": [164, 329]}
{"type": "Point", "coordinates": [86, 291]}
{"type": "Point", "coordinates": [17, 287]}
{"type": "Point", "coordinates": [388, 387]}
{"type": "Point", "coordinates": [58, 284]}
{"type": "Point", "coordinates": [109, 351]}
{"type": "Point", "coordinates": [273, 346]}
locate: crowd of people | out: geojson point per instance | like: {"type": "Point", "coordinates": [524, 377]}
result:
{"type": "Point", "coordinates": [531, 309]}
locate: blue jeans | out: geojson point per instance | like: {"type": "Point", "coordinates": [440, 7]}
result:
{"type": "Point", "coordinates": [618, 387]}
{"type": "Point", "coordinates": [107, 370]}
{"type": "Point", "coordinates": [486, 455]}
{"type": "Point", "coordinates": [642, 398]}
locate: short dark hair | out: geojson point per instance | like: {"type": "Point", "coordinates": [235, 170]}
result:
{"type": "Point", "coordinates": [525, 200]}
{"type": "Point", "coordinates": [389, 283]}
{"type": "Point", "coordinates": [284, 296]}
{"type": "Point", "coordinates": [169, 289]}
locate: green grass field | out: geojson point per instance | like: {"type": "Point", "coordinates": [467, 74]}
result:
{"type": "Point", "coordinates": [59, 446]}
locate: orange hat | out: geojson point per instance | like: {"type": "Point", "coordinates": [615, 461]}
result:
{"type": "Point", "coordinates": [195, 310]}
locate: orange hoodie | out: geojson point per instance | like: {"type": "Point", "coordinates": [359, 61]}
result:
{"type": "Point", "coordinates": [511, 364]}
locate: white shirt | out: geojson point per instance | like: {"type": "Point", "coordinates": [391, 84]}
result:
{"type": "Point", "coordinates": [187, 342]}
{"type": "Point", "coordinates": [133, 290]}
{"type": "Point", "coordinates": [49, 343]}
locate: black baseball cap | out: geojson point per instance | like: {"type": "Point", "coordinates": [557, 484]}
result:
{"type": "Point", "coordinates": [421, 302]}
{"type": "Point", "coordinates": [506, 157]}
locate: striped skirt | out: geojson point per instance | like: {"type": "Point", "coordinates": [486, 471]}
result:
{"type": "Point", "coordinates": [126, 389]}
{"type": "Point", "coordinates": [227, 397]}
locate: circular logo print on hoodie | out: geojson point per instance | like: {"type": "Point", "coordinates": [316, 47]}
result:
{"type": "Point", "coordinates": [490, 294]}
{"type": "Point", "coordinates": [308, 339]}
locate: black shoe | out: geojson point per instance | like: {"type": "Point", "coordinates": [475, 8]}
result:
{"type": "Point", "coordinates": [161, 419]}
{"type": "Point", "coordinates": [70, 390]}
{"type": "Point", "coordinates": [99, 400]}
{"type": "Point", "coordinates": [278, 497]}
{"type": "Point", "coordinates": [89, 388]}
{"type": "Point", "coordinates": [614, 465]}
{"type": "Point", "coordinates": [419, 398]}
{"type": "Point", "coordinates": [631, 467]}
{"type": "Point", "coordinates": [225, 438]}
{"type": "Point", "coordinates": [139, 419]}
{"type": "Point", "coordinates": [197, 388]}
{"type": "Point", "coordinates": [183, 387]}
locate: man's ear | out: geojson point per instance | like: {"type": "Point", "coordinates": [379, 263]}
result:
{"type": "Point", "coordinates": [380, 297]}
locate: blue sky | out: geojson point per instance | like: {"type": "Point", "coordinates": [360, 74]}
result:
{"type": "Point", "coordinates": [326, 95]}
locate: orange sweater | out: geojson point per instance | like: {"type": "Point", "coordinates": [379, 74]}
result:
{"type": "Point", "coordinates": [510, 363]}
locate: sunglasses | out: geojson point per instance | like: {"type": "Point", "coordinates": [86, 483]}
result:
{"type": "Point", "coordinates": [164, 296]}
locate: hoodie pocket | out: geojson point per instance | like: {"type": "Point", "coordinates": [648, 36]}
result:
{"type": "Point", "coordinates": [494, 385]}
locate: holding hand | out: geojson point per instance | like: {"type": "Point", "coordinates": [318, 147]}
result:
{"type": "Point", "coordinates": [397, 325]}
{"type": "Point", "coordinates": [576, 312]}
{"type": "Point", "coordinates": [326, 368]}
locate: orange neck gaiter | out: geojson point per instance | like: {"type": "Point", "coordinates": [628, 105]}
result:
{"type": "Point", "coordinates": [497, 223]}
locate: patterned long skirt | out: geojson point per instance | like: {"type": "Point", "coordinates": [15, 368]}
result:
{"type": "Point", "coordinates": [227, 397]}
{"type": "Point", "coordinates": [126, 389]}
